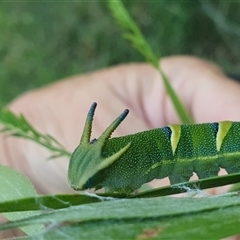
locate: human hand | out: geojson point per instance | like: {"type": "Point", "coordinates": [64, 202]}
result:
{"type": "Point", "coordinates": [60, 109]}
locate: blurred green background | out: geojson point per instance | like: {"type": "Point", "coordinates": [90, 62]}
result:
{"type": "Point", "coordinates": [41, 42]}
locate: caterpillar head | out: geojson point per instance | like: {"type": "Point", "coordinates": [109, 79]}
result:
{"type": "Point", "coordinates": [87, 159]}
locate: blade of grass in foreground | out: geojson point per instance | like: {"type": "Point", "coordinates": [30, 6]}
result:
{"type": "Point", "coordinates": [196, 185]}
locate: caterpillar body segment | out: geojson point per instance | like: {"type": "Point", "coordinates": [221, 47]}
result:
{"type": "Point", "coordinates": [123, 164]}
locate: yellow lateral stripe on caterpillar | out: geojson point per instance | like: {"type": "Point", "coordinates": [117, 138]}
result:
{"type": "Point", "coordinates": [123, 164]}
{"type": "Point", "coordinates": [222, 132]}
{"type": "Point", "coordinates": [175, 136]}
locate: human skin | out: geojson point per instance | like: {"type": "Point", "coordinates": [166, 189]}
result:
{"type": "Point", "coordinates": [60, 109]}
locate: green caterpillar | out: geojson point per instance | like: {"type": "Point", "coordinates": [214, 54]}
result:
{"type": "Point", "coordinates": [123, 164]}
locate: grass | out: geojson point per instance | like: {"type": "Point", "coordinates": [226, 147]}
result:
{"type": "Point", "coordinates": [42, 42]}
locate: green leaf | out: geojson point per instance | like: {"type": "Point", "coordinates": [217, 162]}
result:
{"type": "Point", "coordinates": [14, 185]}
{"type": "Point", "coordinates": [48, 202]}
{"type": "Point", "coordinates": [213, 217]}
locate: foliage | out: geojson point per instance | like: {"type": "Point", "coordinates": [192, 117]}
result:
{"type": "Point", "coordinates": [102, 216]}
{"type": "Point", "coordinates": [14, 186]}
{"type": "Point", "coordinates": [18, 126]}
